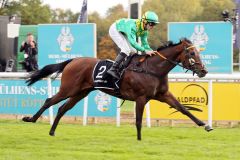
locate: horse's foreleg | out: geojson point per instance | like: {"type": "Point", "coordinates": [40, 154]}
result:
{"type": "Point", "coordinates": [140, 103]}
{"type": "Point", "coordinates": [64, 108]}
{"type": "Point", "coordinates": [173, 102]}
{"type": "Point", "coordinates": [48, 103]}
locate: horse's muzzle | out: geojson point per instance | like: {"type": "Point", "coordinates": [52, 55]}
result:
{"type": "Point", "coordinates": [202, 73]}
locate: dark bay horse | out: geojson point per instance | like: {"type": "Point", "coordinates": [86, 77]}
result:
{"type": "Point", "coordinates": [151, 83]}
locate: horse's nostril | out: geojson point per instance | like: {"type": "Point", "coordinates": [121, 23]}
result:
{"type": "Point", "coordinates": [204, 71]}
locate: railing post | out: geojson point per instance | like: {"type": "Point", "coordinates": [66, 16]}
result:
{"type": "Point", "coordinates": [148, 118]}
{"type": "Point", "coordinates": [210, 96]}
{"type": "Point", "coordinates": [85, 110]}
{"type": "Point", "coordinates": [49, 84]}
{"type": "Point", "coordinates": [118, 117]}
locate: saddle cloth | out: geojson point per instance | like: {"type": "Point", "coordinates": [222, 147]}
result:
{"type": "Point", "coordinates": [101, 78]}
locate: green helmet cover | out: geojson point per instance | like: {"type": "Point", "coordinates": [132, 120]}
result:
{"type": "Point", "coordinates": [150, 16]}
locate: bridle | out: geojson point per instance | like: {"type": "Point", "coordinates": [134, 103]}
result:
{"type": "Point", "coordinates": [189, 56]}
{"type": "Point", "coordinates": [191, 66]}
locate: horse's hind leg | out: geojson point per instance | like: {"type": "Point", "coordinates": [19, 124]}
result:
{"type": "Point", "coordinates": [64, 108]}
{"type": "Point", "coordinates": [49, 102]}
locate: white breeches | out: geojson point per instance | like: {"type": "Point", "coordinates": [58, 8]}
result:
{"type": "Point", "coordinates": [121, 41]}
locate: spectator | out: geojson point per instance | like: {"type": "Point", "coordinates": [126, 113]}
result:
{"type": "Point", "coordinates": [29, 47]}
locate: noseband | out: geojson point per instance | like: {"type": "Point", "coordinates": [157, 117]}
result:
{"type": "Point", "coordinates": [189, 56]}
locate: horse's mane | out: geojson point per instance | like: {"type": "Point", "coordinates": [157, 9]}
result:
{"type": "Point", "coordinates": [167, 45]}
{"type": "Point", "coordinates": [171, 44]}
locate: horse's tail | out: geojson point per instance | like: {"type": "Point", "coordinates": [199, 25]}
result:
{"type": "Point", "coordinates": [46, 71]}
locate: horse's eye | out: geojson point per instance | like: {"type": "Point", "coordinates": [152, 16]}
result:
{"type": "Point", "coordinates": [192, 53]}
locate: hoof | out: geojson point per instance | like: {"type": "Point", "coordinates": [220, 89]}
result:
{"type": "Point", "coordinates": [51, 133]}
{"type": "Point", "coordinates": [208, 128]}
{"type": "Point", "coordinates": [27, 119]}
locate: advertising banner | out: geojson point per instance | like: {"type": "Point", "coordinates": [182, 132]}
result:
{"type": "Point", "coordinates": [60, 42]}
{"type": "Point", "coordinates": [17, 98]}
{"type": "Point", "coordinates": [215, 39]}
{"type": "Point", "coordinates": [102, 104]}
{"type": "Point", "coordinates": [56, 43]}
{"type": "Point", "coordinates": [194, 96]}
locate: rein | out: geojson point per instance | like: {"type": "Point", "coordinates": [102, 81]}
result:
{"type": "Point", "coordinates": [165, 58]}
{"type": "Point", "coordinates": [141, 70]}
{"type": "Point", "coordinates": [174, 62]}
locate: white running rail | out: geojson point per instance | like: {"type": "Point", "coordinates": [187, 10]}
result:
{"type": "Point", "coordinates": [173, 77]}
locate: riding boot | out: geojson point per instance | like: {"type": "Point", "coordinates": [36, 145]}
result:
{"type": "Point", "coordinates": [113, 71]}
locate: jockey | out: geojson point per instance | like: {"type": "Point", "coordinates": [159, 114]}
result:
{"type": "Point", "coordinates": [124, 32]}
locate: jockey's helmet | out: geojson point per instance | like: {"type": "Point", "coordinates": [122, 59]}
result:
{"type": "Point", "coordinates": [150, 16]}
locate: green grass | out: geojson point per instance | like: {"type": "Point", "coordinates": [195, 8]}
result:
{"type": "Point", "coordinates": [23, 141]}
{"type": "Point", "coordinates": [128, 106]}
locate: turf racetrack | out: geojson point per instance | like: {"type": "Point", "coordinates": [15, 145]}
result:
{"type": "Point", "coordinates": [24, 141]}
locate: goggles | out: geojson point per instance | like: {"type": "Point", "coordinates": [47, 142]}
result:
{"type": "Point", "coordinates": [151, 24]}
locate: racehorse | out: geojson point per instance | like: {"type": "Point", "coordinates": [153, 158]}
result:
{"type": "Point", "coordinates": [150, 82]}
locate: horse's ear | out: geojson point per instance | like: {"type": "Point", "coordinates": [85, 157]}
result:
{"type": "Point", "coordinates": [170, 43]}
{"type": "Point", "coordinates": [183, 39]}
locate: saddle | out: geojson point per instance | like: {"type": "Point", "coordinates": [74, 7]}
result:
{"type": "Point", "coordinates": [102, 79]}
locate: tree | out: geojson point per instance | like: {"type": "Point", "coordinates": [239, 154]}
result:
{"type": "Point", "coordinates": [95, 18]}
{"type": "Point", "coordinates": [170, 11]}
{"type": "Point", "coordinates": [105, 45]}
{"type": "Point", "coordinates": [183, 11]}
{"type": "Point", "coordinates": [34, 12]}
{"type": "Point", "coordinates": [8, 7]}
{"type": "Point", "coordinates": [107, 49]}
{"type": "Point", "coordinates": [30, 11]}
{"type": "Point", "coordinates": [212, 9]}
{"type": "Point", "coordinates": [63, 16]}
{"type": "Point", "coordinates": [3, 3]}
